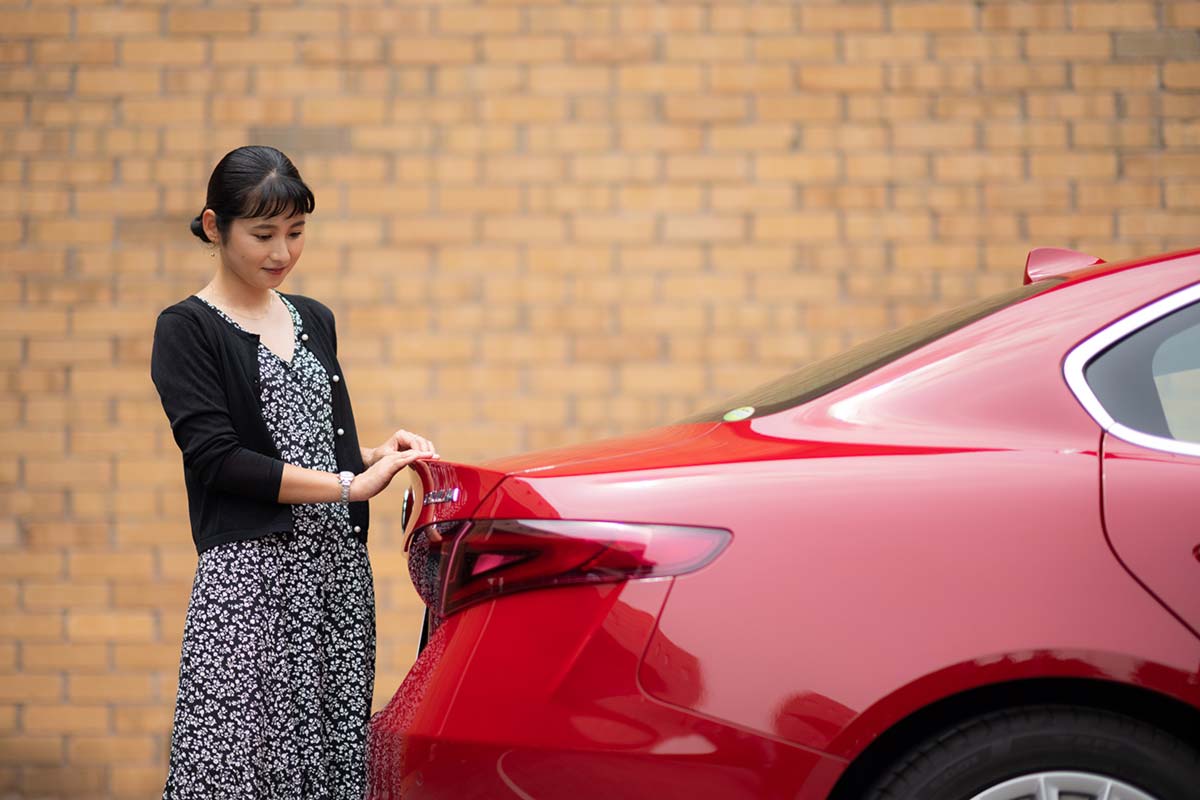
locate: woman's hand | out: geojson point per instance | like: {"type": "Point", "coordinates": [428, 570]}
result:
{"type": "Point", "coordinates": [401, 440]}
{"type": "Point", "coordinates": [375, 479]}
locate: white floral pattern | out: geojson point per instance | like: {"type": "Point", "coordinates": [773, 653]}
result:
{"type": "Point", "coordinates": [278, 659]}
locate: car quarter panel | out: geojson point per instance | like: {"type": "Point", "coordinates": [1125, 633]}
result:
{"type": "Point", "coordinates": [536, 695]}
{"type": "Point", "coordinates": [852, 580]}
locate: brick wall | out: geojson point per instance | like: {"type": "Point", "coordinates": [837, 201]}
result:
{"type": "Point", "coordinates": [538, 222]}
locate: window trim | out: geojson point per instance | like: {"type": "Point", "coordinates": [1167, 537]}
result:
{"type": "Point", "coordinates": [1079, 357]}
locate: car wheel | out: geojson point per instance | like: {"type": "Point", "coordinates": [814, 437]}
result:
{"type": "Point", "coordinates": [1046, 753]}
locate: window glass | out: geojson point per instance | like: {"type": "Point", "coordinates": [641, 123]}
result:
{"type": "Point", "coordinates": [1150, 380]}
{"type": "Point", "coordinates": [821, 377]}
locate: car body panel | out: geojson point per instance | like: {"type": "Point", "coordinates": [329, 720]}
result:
{"type": "Point", "coordinates": [1152, 517]}
{"type": "Point", "coordinates": [477, 717]}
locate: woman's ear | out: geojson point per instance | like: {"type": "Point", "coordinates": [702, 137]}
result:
{"type": "Point", "coordinates": [209, 222]}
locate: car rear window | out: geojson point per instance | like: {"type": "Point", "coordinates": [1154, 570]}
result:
{"type": "Point", "coordinates": [821, 377]}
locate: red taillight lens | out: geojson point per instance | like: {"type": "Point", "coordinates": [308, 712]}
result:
{"type": "Point", "coordinates": [498, 557]}
{"type": "Point", "coordinates": [489, 558]}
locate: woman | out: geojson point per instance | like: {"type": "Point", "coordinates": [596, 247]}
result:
{"type": "Point", "coordinates": [278, 656]}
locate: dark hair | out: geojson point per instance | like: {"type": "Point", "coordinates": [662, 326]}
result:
{"type": "Point", "coordinates": [254, 181]}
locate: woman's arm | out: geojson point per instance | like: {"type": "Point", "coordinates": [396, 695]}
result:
{"type": "Point", "coordinates": [190, 385]}
{"type": "Point", "coordinates": [368, 456]}
{"type": "Point", "coordinates": [300, 485]}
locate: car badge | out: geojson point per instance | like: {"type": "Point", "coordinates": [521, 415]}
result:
{"type": "Point", "coordinates": [441, 496]}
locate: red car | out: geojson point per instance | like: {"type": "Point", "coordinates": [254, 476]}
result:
{"type": "Point", "coordinates": [959, 562]}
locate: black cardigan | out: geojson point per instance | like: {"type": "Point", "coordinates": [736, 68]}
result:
{"type": "Point", "coordinates": [206, 373]}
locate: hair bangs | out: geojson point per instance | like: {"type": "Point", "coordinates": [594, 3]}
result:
{"type": "Point", "coordinates": [278, 195]}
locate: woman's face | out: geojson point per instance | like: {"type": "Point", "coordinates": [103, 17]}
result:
{"type": "Point", "coordinates": [261, 250]}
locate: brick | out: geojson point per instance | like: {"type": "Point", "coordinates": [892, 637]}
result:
{"type": "Point", "coordinates": [749, 78]}
{"type": "Point", "coordinates": [707, 167]}
{"type": "Point", "coordinates": [1016, 15]}
{"type": "Point", "coordinates": [706, 227]}
{"type": "Point", "coordinates": [253, 110]}
{"type": "Point", "coordinates": [135, 781]}
{"type": "Point", "coordinates": [165, 52]}
{"type": "Point", "coordinates": [1077, 46]}
{"type": "Point", "coordinates": [795, 49]}
{"type": "Point", "coordinates": [26, 688]}
{"type": "Point", "coordinates": [1183, 14]}
{"type": "Point", "coordinates": [976, 46]}
{"type": "Point", "coordinates": [1073, 165]}
{"type": "Point", "coordinates": [53, 780]}
{"type": "Point", "coordinates": [443, 50]}
{"type": "Point", "coordinates": [1002, 134]}
{"type": "Point", "coordinates": [760, 18]}
{"type": "Point", "coordinates": [1177, 44]}
{"type": "Point", "coordinates": [471, 20]}
{"type": "Point", "coordinates": [124, 565]}
{"type": "Point", "coordinates": [1025, 76]}
{"type": "Point", "coordinates": [299, 20]}
{"type": "Point", "coordinates": [698, 108]}
{"type": "Point", "coordinates": [803, 168]}
{"type": "Point", "coordinates": [612, 49]}
{"type": "Point", "coordinates": [110, 688]}
{"type": "Point", "coordinates": [612, 228]}
{"type": "Point", "coordinates": [1114, 76]}
{"type": "Point", "coordinates": [117, 21]}
{"type": "Point", "coordinates": [35, 23]}
{"type": "Point", "coordinates": [109, 749]}
{"type": "Point", "coordinates": [117, 82]}
{"type": "Point", "coordinates": [81, 52]}
{"type": "Point", "coordinates": [53, 656]}
{"type": "Point", "coordinates": [886, 167]}
{"type": "Point", "coordinates": [885, 47]}
{"type": "Point", "coordinates": [934, 135]}
{"type": "Point", "coordinates": [839, 78]}
{"type": "Point", "coordinates": [659, 78]}
{"type": "Point", "coordinates": [1181, 76]}
{"type": "Point", "coordinates": [706, 48]}
{"type": "Point", "coordinates": [797, 226]}
{"type": "Point", "coordinates": [1074, 105]}
{"type": "Point", "coordinates": [27, 751]}
{"type": "Point", "coordinates": [523, 108]}
{"type": "Point", "coordinates": [208, 20]}
{"type": "Point", "coordinates": [1121, 14]}
{"type": "Point", "coordinates": [752, 196]}
{"type": "Point", "coordinates": [524, 48]}
{"type": "Point", "coordinates": [761, 136]}
{"type": "Point", "coordinates": [50, 719]}
{"type": "Point", "coordinates": [257, 50]}
{"type": "Point", "coordinates": [841, 17]}
{"type": "Point", "coordinates": [575, 79]}
{"type": "Point", "coordinates": [933, 16]}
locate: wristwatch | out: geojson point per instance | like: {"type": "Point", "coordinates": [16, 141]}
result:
{"type": "Point", "coordinates": [344, 478]}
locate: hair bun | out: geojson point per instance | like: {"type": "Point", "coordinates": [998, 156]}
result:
{"type": "Point", "coordinates": [198, 230]}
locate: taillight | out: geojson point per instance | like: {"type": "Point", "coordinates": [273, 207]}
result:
{"type": "Point", "coordinates": [454, 565]}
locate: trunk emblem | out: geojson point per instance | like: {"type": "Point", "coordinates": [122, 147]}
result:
{"type": "Point", "coordinates": [440, 496]}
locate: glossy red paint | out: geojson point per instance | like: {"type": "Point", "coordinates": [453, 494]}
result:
{"type": "Point", "coordinates": [934, 527]}
{"type": "Point", "coordinates": [1152, 516]}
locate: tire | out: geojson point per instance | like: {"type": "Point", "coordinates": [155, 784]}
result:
{"type": "Point", "coordinates": [1080, 749]}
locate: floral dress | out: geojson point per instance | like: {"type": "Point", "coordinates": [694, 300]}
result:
{"type": "Point", "coordinates": [278, 660]}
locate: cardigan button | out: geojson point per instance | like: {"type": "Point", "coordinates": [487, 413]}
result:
{"type": "Point", "coordinates": [336, 378]}
{"type": "Point", "coordinates": [341, 432]}
{"type": "Point", "coordinates": [304, 337]}
{"type": "Point", "coordinates": [357, 529]}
